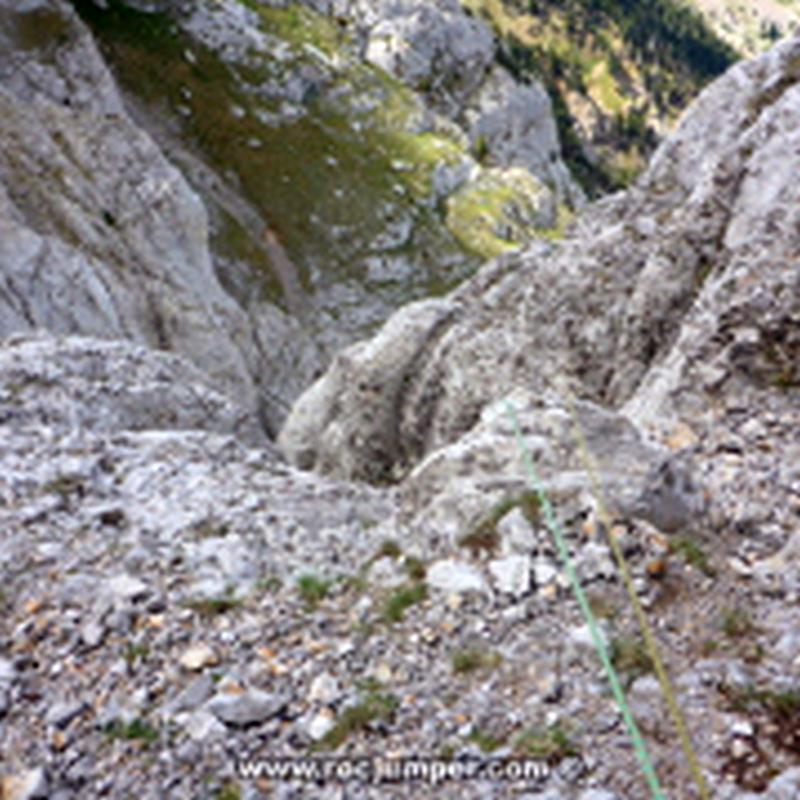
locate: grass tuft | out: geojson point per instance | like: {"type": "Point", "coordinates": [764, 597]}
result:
{"type": "Point", "coordinates": [484, 537]}
{"type": "Point", "coordinates": [135, 730]}
{"type": "Point", "coordinates": [472, 659]}
{"type": "Point", "coordinates": [313, 590]}
{"type": "Point", "coordinates": [375, 707]}
{"type": "Point", "coordinates": [630, 657]}
{"type": "Point", "coordinates": [486, 741]}
{"type": "Point", "coordinates": [213, 606]}
{"type": "Point", "coordinates": [230, 791]}
{"type": "Point", "coordinates": [737, 623]}
{"type": "Point", "coordinates": [401, 600]}
{"type": "Point", "coordinates": [692, 554]}
{"type": "Point", "coordinates": [415, 568]}
{"type": "Point", "coordinates": [552, 744]}
{"type": "Point", "coordinates": [389, 548]}
{"type": "Point", "coordinates": [136, 652]}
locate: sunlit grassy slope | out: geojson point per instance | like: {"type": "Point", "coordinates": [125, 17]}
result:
{"type": "Point", "coordinates": [334, 182]}
{"type": "Point", "coordinates": [751, 26]}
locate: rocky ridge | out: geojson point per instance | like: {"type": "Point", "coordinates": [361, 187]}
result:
{"type": "Point", "coordinates": [177, 597]}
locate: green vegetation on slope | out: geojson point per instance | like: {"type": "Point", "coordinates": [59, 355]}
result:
{"type": "Point", "coordinates": [36, 29]}
{"type": "Point", "coordinates": [618, 72]}
{"type": "Point", "coordinates": [341, 178]}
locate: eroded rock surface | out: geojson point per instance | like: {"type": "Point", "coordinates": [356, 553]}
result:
{"type": "Point", "coordinates": [77, 384]}
{"type": "Point", "coordinates": [100, 234]}
{"type": "Point", "coordinates": [701, 255]}
{"type": "Point", "coordinates": [446, 495]}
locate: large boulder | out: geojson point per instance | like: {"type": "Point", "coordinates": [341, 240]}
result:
{"type": "Point", "coordinates": [76, 384]}
{"type": "Point", "coordinates": [453, 489]}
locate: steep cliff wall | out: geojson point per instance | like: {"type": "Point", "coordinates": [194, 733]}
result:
{"type": "Point", "coordinates": [101, 235]}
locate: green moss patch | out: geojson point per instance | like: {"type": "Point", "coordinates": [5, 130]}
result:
{"type": "Point", "coordinates": [500, 211]}
{"type": "Point", "coordinates": [375, 707]}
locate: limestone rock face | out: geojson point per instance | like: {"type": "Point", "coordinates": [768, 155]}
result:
{"type": "Point", "coordinates": [448, 492]}
{"type": "Point", "coordinates": [46, 53]}
{"type": "Point", "coordinates": [104, 236]}
{"type": "Point", "coordinates": [100, 235]}
{"type": "Point", "coordinates": [433, 46]}
{"type": "Point", "coordinates": [741, 336]}
{"type": "Point", "coordinates": [731, 370]}
{"type": "Point", "coordinates": [316, 436]}
{"type": "Point", "coordinates": [675, 301]}
{"type": "Point", "coordinates": [750, 26]}
{"type": "Point", "coordinates": [172, 588]}
{"type": "Point", "coordinates": [514, 122]}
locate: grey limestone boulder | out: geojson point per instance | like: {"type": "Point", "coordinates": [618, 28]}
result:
{"type": "Point", "coordinates": [81, 384]}
{"type": "Point", "coordinates": [451, 490]}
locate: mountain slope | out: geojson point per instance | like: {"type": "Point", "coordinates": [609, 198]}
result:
{"type": "Point", "coordinates": [619, 73]}
{"type": "Point", "coordinates": [183, 614]}
{"type": "Point", "coordinates": [341, 178]}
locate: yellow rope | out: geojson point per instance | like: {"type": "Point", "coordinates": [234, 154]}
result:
{"type": "Point", "coordinates": [647, 632]}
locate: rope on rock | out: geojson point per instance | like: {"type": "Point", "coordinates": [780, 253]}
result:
{"type": "Point", "coordinates": [651, 644]}
{"type": "Point", "coordinates": [613, 678]}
